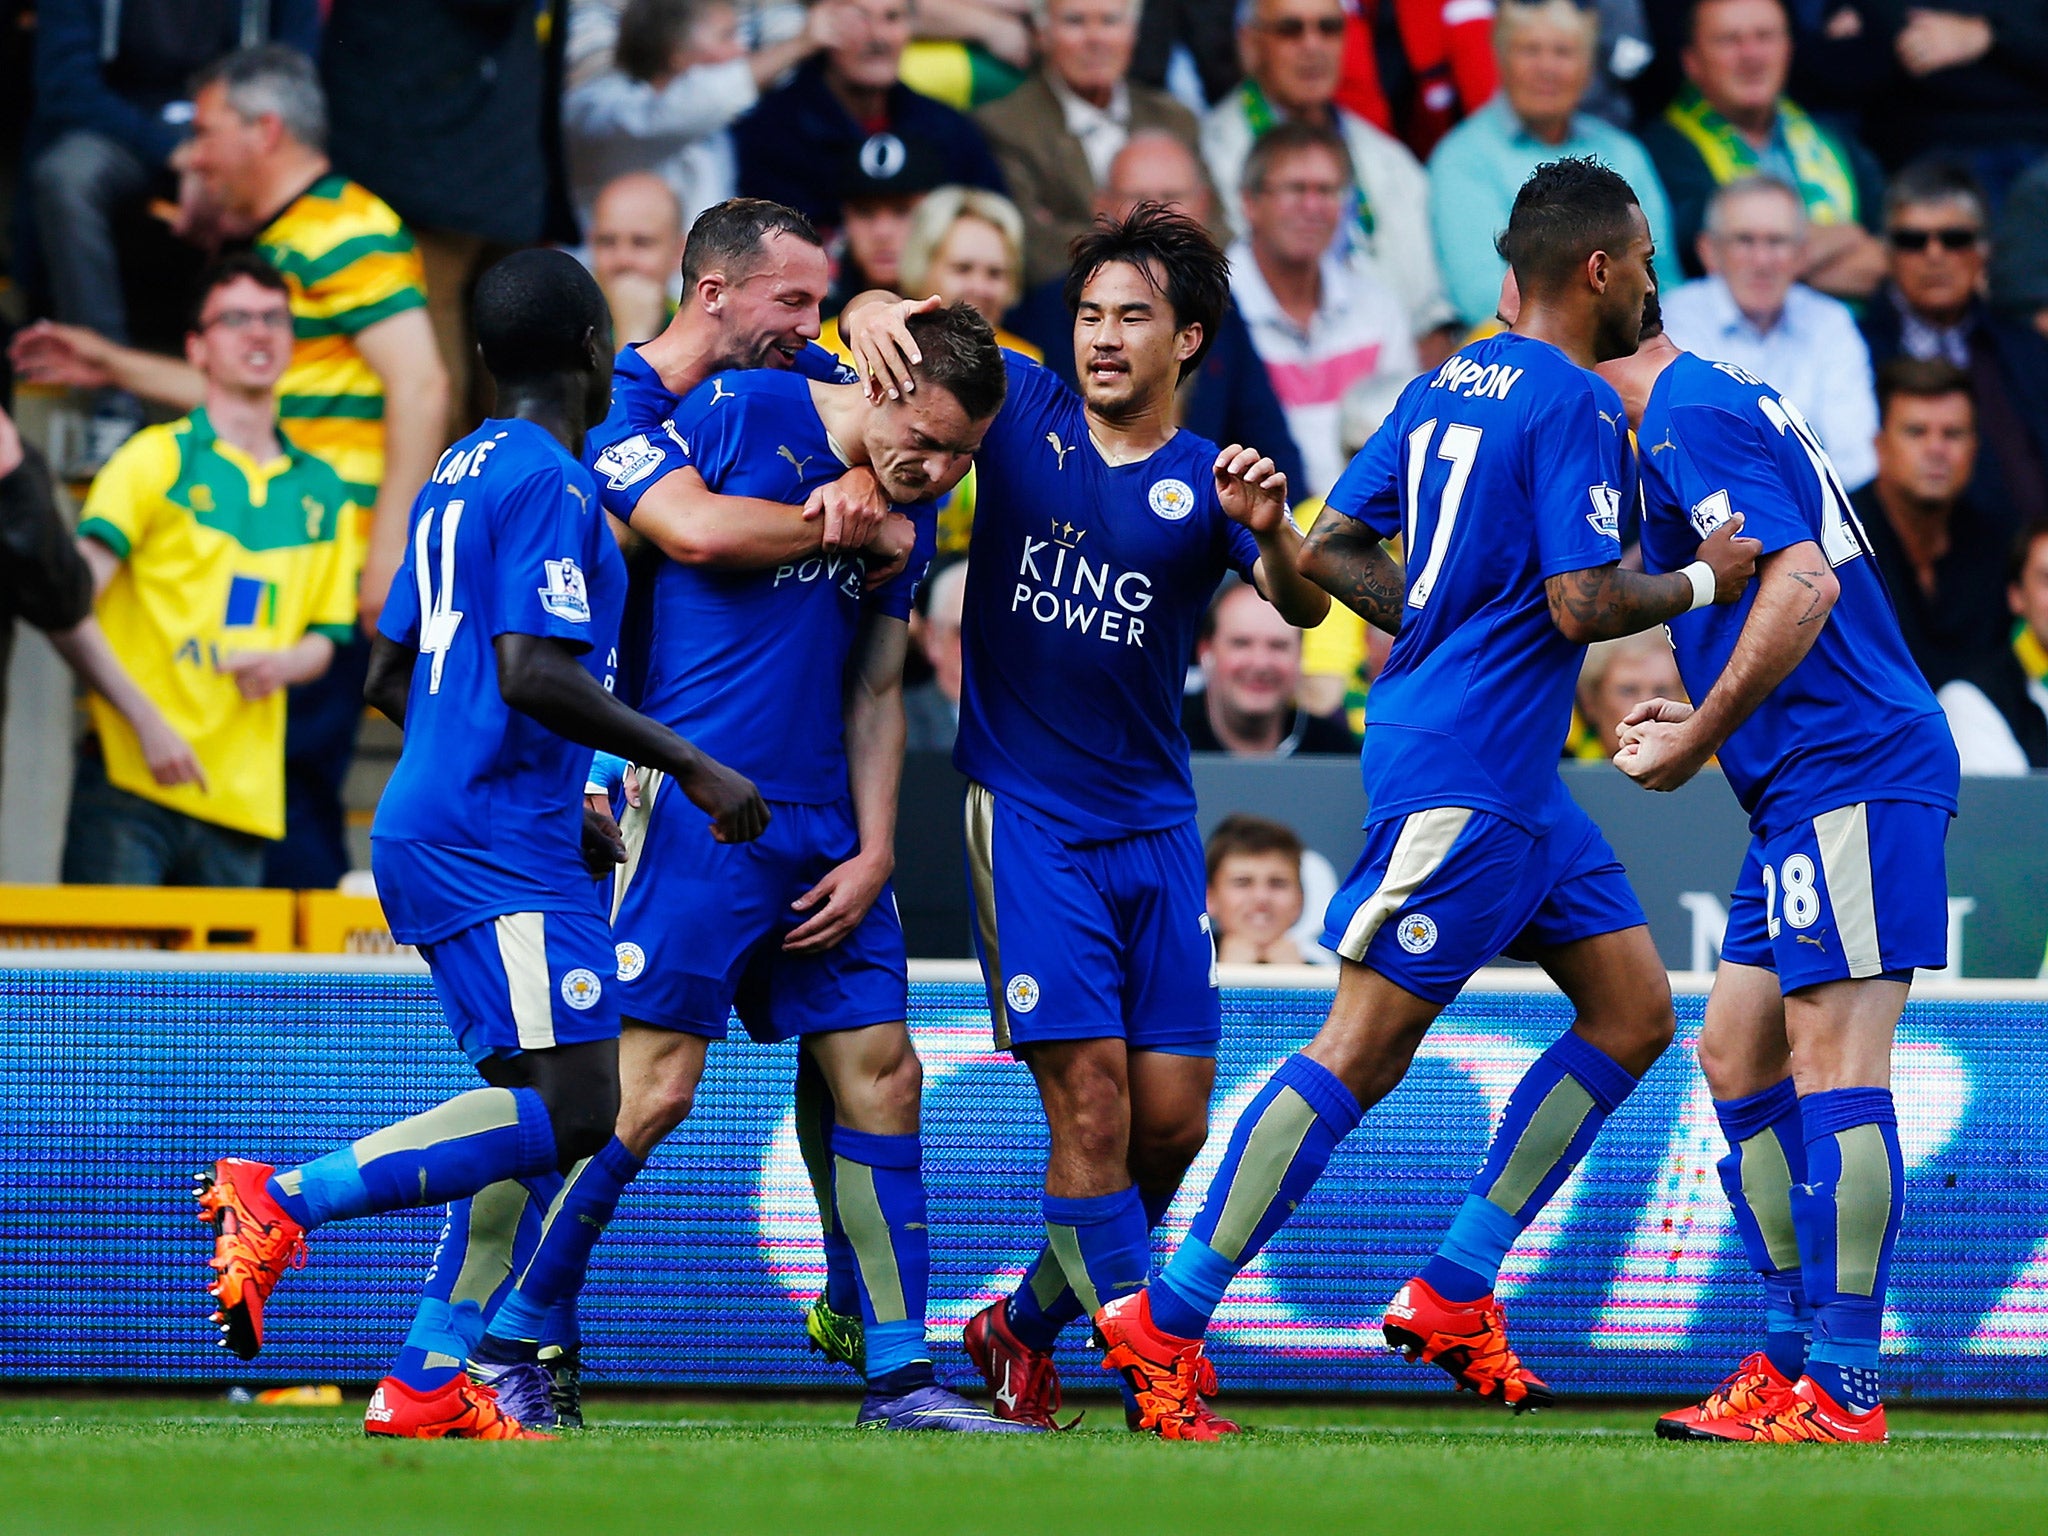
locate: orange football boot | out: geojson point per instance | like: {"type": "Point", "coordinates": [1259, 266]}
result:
{"type": "Point", "coordinates": [1467, 1339]}
{"type": "Point", "coordinates": [1166, 1375]}
{"type": "Point", "coordinates": [1749, 1389]}
{"type": "Point", "coordinates": [1023, 1382]}
{"type": "Point", "coordinates": [1805, 1415]}
{"type": "Point", "coordinates": [254, 1243]}
{"type": "Point", "coordinates": [461, 1410]}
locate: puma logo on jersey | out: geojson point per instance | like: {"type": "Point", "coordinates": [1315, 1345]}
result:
{"type": "Point", "coordinates": [1612, 421]}
{"type": "Point", "coordinates": [1058, 447]}
{"type": "Point", "coordinates": [1665, 446]}
{"type": "Point", "coordinates": [582, 496]}
{"type": "Point", "coordinates": [795, 463]}
{"type": "Point", "coordinates": [720, 392]}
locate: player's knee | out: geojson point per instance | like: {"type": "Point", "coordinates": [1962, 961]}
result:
{"type": "Point", "coordinates": [1161, 1154]}
{"type": "Point", "coordinates": [899, 1089]}
{"type": "Point", "coordinates": [1090, 1120]}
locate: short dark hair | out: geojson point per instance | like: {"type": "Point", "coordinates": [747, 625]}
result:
{"type": "Point", "coordinates": [1566, 210]}
{"type": "Point", "coordinates": [2023, 546]}
{"type": "Point", "coordinates": [535, 313]}
{"type": "Point", "coordinates": [959, 355]}
{"type": "Point", "coordinates": [1933, 179]}
{"type": "Point", "coordinates": [1242, 834]}
{"type": "Point", "coordinates": [233, 269]}
{"type": "Point", "coordinates": [1291, 138]}
{"type": "Point", "coordinates": [1197, 274]}
{"type": "Point", "coordinates": [1919, 378]}
{"type": "Point", "coordinates": [728, 236]}
{"type": "Point", "coordinates": [1692, 17]}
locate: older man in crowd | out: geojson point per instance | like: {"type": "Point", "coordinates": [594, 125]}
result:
{"type": "Point", "coordinates": [1943, 557]}
{"type": "Point", "coordinates": [1327, 329]}
{"type": "Point", "coordinates": [1752, 311]}
{"type": "Point", "coordinates": [1293, 53]}
{"type": "Point", "coordinates": [931, 709]}
{"type": "Point", "coordinates": [1251, 671]}
{"type": "Point", "coordinates": [1546, 65]}
{"type": "Point", "coordinates": [1733, 121]}
{"type": "Point", "coordinates": [636, 252]}
{"type": "Point", "coordinates": [1933, 307]}
{"type": "Point", "coordinates": [851, 101]}
{"type": "Point", "coordinates": [1056, 134]}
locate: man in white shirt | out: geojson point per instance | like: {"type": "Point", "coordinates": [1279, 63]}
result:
{"type": "Point", "coordinates": [1324, 324]}
{"type": "Point", "coordinates": [1293, 53]}
{"type": "Point", "coordinates": [1751, 312]}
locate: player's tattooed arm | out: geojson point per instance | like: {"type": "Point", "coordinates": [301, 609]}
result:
{"type": "Point", "coordinates": [1347, 560]}
{"type": "Point", "coordinates": [544, 679]}
{"type": "Point", "coordinates": [1605, 602]}
{"type": "Point", "coordinates": [1661, 748]}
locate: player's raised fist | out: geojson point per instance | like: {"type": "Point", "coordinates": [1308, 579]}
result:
{"type": "Point", "coordinates": [890, 548]}
{"type": "Point", "coordinates": [1733, 559]}
{"type": "Point", "coordinates": [1659, 756]}
{"type": "Point", "coordinates": [1647, 711]}
{"type": "Point", "coordinates": [737, 812]}
{"type": "Point", "coordinates": [852, 506]}
{"type": "Point", "coordinates": [1251, 487]}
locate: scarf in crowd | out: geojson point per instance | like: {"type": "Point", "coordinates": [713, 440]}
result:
{"type": "Point", "coordinates": [2032, 654]}
{"type": "Point", "coordinates": [1827, 182]}
{"type": "Point", "coordinates": [1259, 116]}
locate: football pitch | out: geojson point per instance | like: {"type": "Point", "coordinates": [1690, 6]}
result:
{"type": "Point", "coordinates": [796, 1466]}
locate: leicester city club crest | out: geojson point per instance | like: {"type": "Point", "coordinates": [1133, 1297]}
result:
{"type": "Point", "coordinates": [581, 989]}
{"type": "Point", "coordinates": [1417, 933]}
{"type": "Point", "coordinates": [632, 961]}
{"type": "Point", "coordinates": [1021, 994]}
{"type": "Point", "coordinates": [1172, 499]}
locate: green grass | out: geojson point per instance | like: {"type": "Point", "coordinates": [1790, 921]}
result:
{"type": "Point", "coordinates": [795, 1468]}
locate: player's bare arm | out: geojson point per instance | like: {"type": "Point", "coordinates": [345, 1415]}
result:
{"type": "Point", "coordinates": [834, 907]}
{"type": "Point", "coordinates": [694, 525]}
{"type": "Point", "coordinates": [1348, 560]}
{"type": "Point", "coordinates": [1254, 493]}
{"type": "Point", "coordinates": [1663, 743]}
{"type": "Point", "coordinates": [1605, 602]}
{"type": "Point", "coordinates": [543, 678]}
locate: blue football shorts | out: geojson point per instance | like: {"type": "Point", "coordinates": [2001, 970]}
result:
{"type": "Point", "coordinates": [526, 981]}
{"type": "Point", "coordinates": [699, 925]}
{"type": "Point", "coordinates": [1092, 940]}
{"type": "Point", "coordinates": [1438, 893]}
{"type": "Point", "coordinates": [1854, 892]}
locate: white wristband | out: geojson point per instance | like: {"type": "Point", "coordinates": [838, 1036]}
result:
{"type": "Point", "coordinates": [1702, 575]}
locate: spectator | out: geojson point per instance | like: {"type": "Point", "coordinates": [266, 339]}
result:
{"type": "Point", "coordinates": [1251, 669]}
{"type": "Point", "coordinates": [931, 709]}
{"type": "Point", "coordinates": [1056, 134]}
{"type": "Point", "coordinates": [1325, 327]}
{"type": "Point", "coordinates": [1414, 67]}
{"type": "Point", "coordinates": [1229, 399]}
{"type": "Point", "coordinates": [1546, 63]}
{"type": "Point", "coordinates": [636, 253]}
{"type": "Point", "coordinates": [1944, 560]}
{"type": "Point", "coordinates": [112, 101]}
{"type": "Point", "coordinates": [365, 389]}
{"type": "Point", "coordinates": [223, 563]}
{"type": "Point", "coordinates": [966, 52]}
{"type": "Point", "coordinates": [676, 75]}
{"type": "Point", "coordinates": [1733, 121]}
{"type": "Point", "coordinates": [1187, 47]}
{"type": "Point", "coordinates": [878, 196]}
{"type": "Point", "coordinates": [44, 579]}
{"type": "Point", "coordinates": [1255, 893]}
{"type": "Point", "coordinates": [1975, 88]}
{"type": "Point", "coordinates": [1998, 709]}
{"type": "Point", "coordinates": [1752, 311]}
{"type": "Point", "coordinates": [1933, 306]}
{"type": "Point", "coordinates": [1616, 676]}
{"type": "Point", "coordinates": [851, 101]}
{"type": "Point", "coordinates": [1292, 52]}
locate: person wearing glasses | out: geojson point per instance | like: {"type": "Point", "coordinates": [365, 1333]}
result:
{"type": "Point", "coordinates": [1932, 307]}
{"type": "Point", "coordinates": [224, 561]}
{"type": "Point", "coordinates": [1751, 310]}
{"type": "Point", "coordinates": [1546, 67]}
{"type": "Point", "coordinates": [1293, 52]}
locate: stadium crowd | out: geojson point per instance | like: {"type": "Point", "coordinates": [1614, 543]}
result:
{"type": "Point", "coordinates": [1848, 197]}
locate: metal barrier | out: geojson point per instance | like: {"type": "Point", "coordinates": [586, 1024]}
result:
{"type": "Point", "coordinates": [122, 1076]}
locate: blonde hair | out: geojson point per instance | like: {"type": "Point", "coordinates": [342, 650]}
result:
{"type": "Point", "coordinates": [1514, 14]}
{"type": "Point", "coordinates": [934, 220]}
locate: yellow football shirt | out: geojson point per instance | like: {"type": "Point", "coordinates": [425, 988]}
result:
{"type": "Point", "coordinates": [350, 262]}
{"type": "Point", "coordinates": [219, 554]}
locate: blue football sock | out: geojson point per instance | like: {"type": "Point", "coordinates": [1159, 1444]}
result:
{"type": "Point", "coordinates": [452, 1150]}
{"type": "Point", "coordinates": [1278, 1149]}
{"type": "Point", "coordinates": [879, 1184]}
{"type": "Point", "coordinates": [1847, 1218]}
{"type": "Point", "coordinates": [1044, 1303]}
{"type": "Point", "coordinates": [554, 1275]}
{"type": "Point", "coordinates": [1766, 1158]}
{"type": "Point", "coordinates": [472, 1265]}
{"type": "Point", "coordinates": [815, 1117]}
{"type": "Point", "coordinates": [1102, 1244]}
{"type": "Point", "coordinates": [1550, 1121]}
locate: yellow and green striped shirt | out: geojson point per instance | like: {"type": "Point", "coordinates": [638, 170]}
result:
{"type": "Point", "coordinates": [350, 262]}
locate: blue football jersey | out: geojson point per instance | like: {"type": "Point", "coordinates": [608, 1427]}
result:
{"type": "Point", "coordinates": [750, 665]}
{"type": "Point", "coordinates": [1855, 720]}
{"type": "Point", "coordinates": [1508, 465]}
{"type": "Point", "coordinates": [484, 813]}
{"type": "Point", "coordinates": [1086, 586]}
